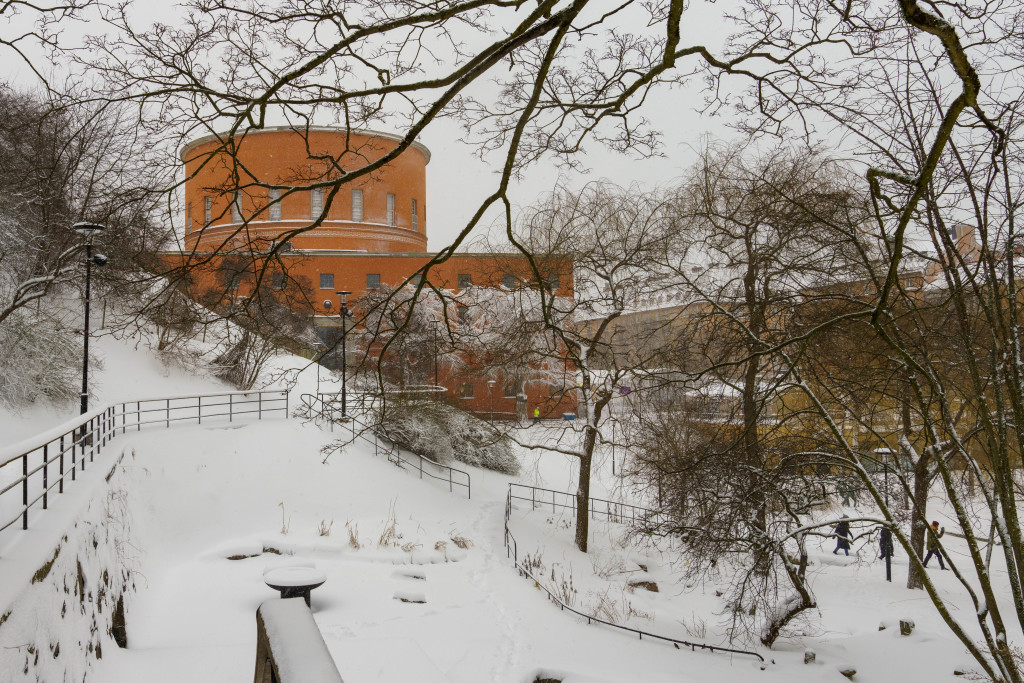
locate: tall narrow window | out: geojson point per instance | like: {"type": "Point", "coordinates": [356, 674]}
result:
{"type": "Point", "coordinates": [415, 217]}
{"type": "Point", "coordinates": [357, 206]}
{"type": "Point", "coordinates": [236, 210]}
{"type": "Point", "coordinates": [465, 280]}
{"type": "Point", "coordinates": [188, 218]}
{"type": "Point", "coordinates": [207, 210]}
{"type": "Point", "coordinates": [391, 209]}
{"type": "Point", "coordinates": [326, 280]}
{"type": "Point", "coordinates": [277, 280]}
{"type": "Point", "coordinates": [316, 202]}
{"type": "Point", "coordinates": [373, 280]}
{"type": "Point", "coordinates": [275, 203]}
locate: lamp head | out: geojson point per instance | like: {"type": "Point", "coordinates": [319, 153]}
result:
{"type": "Point", "coordinates": [327, 304]}
{"type": "Point", "coordinates": [343, 295]}
{"type": "Point", "coordinates": [87, 230]}
{"type": "Point", "coordinates": [100, 259]}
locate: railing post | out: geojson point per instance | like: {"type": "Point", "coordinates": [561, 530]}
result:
{"type": "Point", "coordinates": [259, 406]}
{"type": "Point", "coordinates": [46, 479]}
{"type": "Point", "coordinates": [138, 416]}
{"type": "Point", "coordinates": [199, 407]}
{"type": "Point", "coordinates": [24, 491]}
{"type": "Point", "coordinates": [168, 414]}
{"type": "Point", "coordinates": [61, 466]}
{"type": "Point", "coordinates": [124, 420]}
{"type": "Point", "coordinates": [92, 440]}
{"type": "Point", "coordinates": [231, 407]}
{"type": "Point", "coordinates": [74, 463]}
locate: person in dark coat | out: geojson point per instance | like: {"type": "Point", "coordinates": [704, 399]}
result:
{"type": "Point", "coordinates": [934, 534]}
{"type": "Point", "coordinates": [842, 534]}
{"type": "Point", "coordinates": [885, 547]}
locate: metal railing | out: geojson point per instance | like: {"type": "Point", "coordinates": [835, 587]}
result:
{"type": "Point", "coordinates": [512, 551]}
{"type": "Point", "coordinates": [49, 459]}
{"type": "Point", "coordinates": [328, 407]}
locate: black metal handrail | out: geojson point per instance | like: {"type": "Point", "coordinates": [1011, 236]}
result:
{"type": "Point", "coordinates": [512, 551]}
{"type": "Point", "coordinates": [69, 447]}
{"type": "Point", "coordinates": [329, 410]}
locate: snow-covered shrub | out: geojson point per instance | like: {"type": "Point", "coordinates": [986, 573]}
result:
{"type": "Point", "coordinates": [41, 360]}
{"type": "Point", "coordinates": [442, 433]}
{"type": "Point", "coordinates": [418, 428]}
{"type": "Point", "coordinates": [474, 442]}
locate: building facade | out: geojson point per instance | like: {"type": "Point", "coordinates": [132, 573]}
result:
{"type": "Point", "coordinates": [269, 205]}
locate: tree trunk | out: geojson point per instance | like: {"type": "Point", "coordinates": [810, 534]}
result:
{"type": "Point", "coordinates": [918, 524]}
{"type": "Point", "coordinates": [583, 494]}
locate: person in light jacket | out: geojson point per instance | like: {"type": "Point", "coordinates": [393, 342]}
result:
{"type": "Point", "coordinates": [934, 534]}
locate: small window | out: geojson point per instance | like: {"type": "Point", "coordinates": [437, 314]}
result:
{"type": "Point", "coordinates": [552, 282]}
{"type": "Point", "coordinates": [357, 206]}
{"type": "Point", "coordinates": [466, 390]}
{"type": "Point", "coordinates": [275, 203]}
{"type": "Point", "coordinates": [232, 280]}
{"type": "Point", "coordinates": [463, 315]}
{"type": "Point", "coordinates": [415, 217]}
{"type": "Point", "coordinates": [391, 209]}
{"type": "Point", "coordinates": [236, 210]}
{"type": "Point", "coordinates": [508, 281]}
{"type": "Point", "coordinates": [316, 202]}
{"type": "Point", "coordinates": [188, 218]}
{"type": "Point", "coordinates": [207, 210]}
{"type": "Point", "coordinates": [277, 281]}
{"type": "Point", "coordinates": [326, 280]}
{"type": "Point", "coordinates": [464, 280]}
{"type": "Point", "coordinates": [416, 279]}
{"type": "Point", "coordinates": [511, 391]}
{"type": "Point", "coordinates": [373, 280]}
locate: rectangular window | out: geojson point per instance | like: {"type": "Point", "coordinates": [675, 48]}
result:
{"type": "Point", "coordinates": [508, 281]}
{"type": "Point", "coordinates": [207, 210]}
{"type": "Point", "coordinates": [466, 390]}
{"type": "Point", "coordinates": [232, 280]}
{"type": "Point", "coordinates": [552, 282]}
{"type": "Point", "coordinates": [236, 207]}
{"type": "Point", "coordinates": [416, 279]}
{"type": "Point", "coordinates": [373, 280]}
{"type": "Point", "coordinates": [463, 315]}
{"type": "Point", "coordinates": [415, 217]}
{"type": "Point", "coordinates": [391, 209]}
{"type": "Point", "coordinates": [326, 280]}
{"type": "Point", "coordinates": [277, 281]}
{"type": "Point", "coordinates": [464, 280]}
{"type": "Point", "coordinates": [188, 218]}
{"type": "Point", "coordinates": [316, 202]}
{"type": "Point", "coordinates": [511, 390]}
{"type": "Point", "coordinates": [357, 206]}
{"type": "Point", "coordinates": [275, 203]}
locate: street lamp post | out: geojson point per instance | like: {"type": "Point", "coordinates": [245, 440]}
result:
{"type": "Point", "coordinates": [88, 230]}
{"type": "Point", "coordinates": [490, 389]}
{"type": "Point", "coordinates": [345, 314]}
{"type": "Point", "coordinates": [434, 324]}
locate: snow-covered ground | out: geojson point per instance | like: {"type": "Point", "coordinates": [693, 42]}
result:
{"type": "Point", "coordinates": [198, 496]}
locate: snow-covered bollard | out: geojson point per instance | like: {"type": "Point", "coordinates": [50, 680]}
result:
{"type": "Point", "coordinates": [906, 627]}
{"type": "Point", "coordinates": [809, 656]}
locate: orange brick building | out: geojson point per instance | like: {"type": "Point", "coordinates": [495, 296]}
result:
{"type": "Point", "coordinates": [273, 194]}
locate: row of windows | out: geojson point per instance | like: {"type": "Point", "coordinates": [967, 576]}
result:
{"type": "Point", "coordinates": [466, 390]}
{"type": "Point", "coordinates": [465, 280]}
{"type": "Point", "coordinates": [316, 207]}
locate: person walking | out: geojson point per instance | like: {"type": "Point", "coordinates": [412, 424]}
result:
{"type": "Point", "coordinates": [536, 415]}
{"type": "Point", "coordinates": [842, 534]}
{"type": "Point", "coordinates": [934, 534]}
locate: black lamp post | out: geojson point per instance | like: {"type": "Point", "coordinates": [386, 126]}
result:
{"type": "Point", "coordinates": [345, 314]}
{"type": "Point", "coordinates": [434, 324]}
{"type": "Point", "coordinates": [88, 230]}
{"type": "Point", "coordinates": [490, 389]}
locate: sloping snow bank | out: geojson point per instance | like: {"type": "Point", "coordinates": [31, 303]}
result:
{"type": "Point", "coordinates": [65, 614]}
